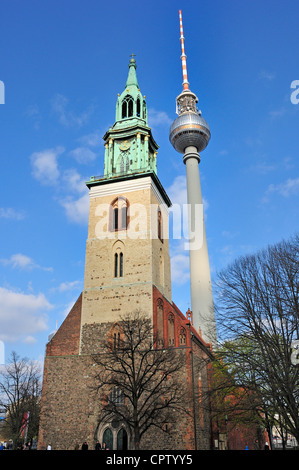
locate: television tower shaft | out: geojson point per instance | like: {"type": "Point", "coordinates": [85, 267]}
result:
{"type": "Point", "coordinates": [190, 134]}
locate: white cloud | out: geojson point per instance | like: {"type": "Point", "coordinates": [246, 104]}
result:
{"type": "Point", "coordinates": [286, 189]}
{"type": "Point", "coordinates": [277, 113]}
{"type": "Point", "coordinates": [158, 118]}
{"type": "Point", "coordinates": [20, 261]}
{"type": "Point", "coordinates": [67, 286]}
{"type": "Point", "coordinates": [83, 155]}
{"type": "Point", "coordinates": [75, 182]}
{"type": "Point", "coordinates": [77, 210]}
{"type": "Point", "coordinates": [180, 269]}
{"type": "Point", "coordinates": [22, 315]}
{"type": "Point", "coordinates": [92, 139]}
{"type": "Point", "coordinates": [66, 117]}
{"type": "Point", "coordinates": [178, 192]}
{"type": "Point", "coordinates": [266, 75]}
{"type": "Point", "coordinates": [10, 213]}
{"type": "Point", "coordinates": [45, 167]}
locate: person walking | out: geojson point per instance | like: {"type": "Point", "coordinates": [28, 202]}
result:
{"type": "Point", "coordinates": [97, 446]}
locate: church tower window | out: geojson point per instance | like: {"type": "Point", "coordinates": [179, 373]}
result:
{"type": "Point", "coordinates": [118, 264]}
{"type": "Point", "coordinates": [160, 234]}
{"type": "Point", "coordinates": [119, 214]}
{"type": "Point", "coordinates": [127, 107]}
{"type": "Point", "coordinates": [138, 107]}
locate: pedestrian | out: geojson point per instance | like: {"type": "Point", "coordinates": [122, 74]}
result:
{"type": "Point", "coordinates": [256, 445]}
{"type": "Point", "coordinates": [49, 447]}
{"type": "Point", "coordinates": [84, 446]}
{"type": "Point", "coordinates": [267, 446]}
{"type": "Point", "coordinates": [97, 446]}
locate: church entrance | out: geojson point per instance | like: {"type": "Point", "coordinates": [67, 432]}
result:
{"type": "Point", "coordinates": [113, 438]}
{"type": "Point", "coordinates": [122, 439]}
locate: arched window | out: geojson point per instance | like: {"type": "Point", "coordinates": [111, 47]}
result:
{"type": "Point", "coordinates": [121, 264]}
{"type": "Point", "coordinates": [118, 259]}
{"type": "Point", "coordinates": [118, 264]}
{"type": "Point", "coordinates": [182, 337]}
{"type": "Point", "coordinates": [115, 337]}
{"type": "Point", "coordinates": [138, 107]}
{"type": "Point", "coordinates": [122, 439]}
{"type": "Point", "coordinates": [116, 396]}
{"type": "Point", "coordinates": [115, 264]}
{"type": "Point", "coordinates": [159, 222]}
{"type": "Point", "coordinates": [161, 267]}
{"type": "Point", "coordinates": [127, 107]}
{"type": "Point", "coordinates": [114, 435]}
{"type": "Point", "coordinates": [170, 330]}
{"type": "Point", "coordinates": [160, 324]}
{"type": "Point", "coordinates": [119, 214]}
{"type": "Point", "coordinates": [108, 439]}
{"type": "Point", "coordinates": [124, 164]}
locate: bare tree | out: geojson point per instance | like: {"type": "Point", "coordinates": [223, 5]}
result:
{"type": "Point", "coordinates": [20, 390]}
{"type": "Point", "coordinates": [139, 382]}
{"type": "Point", "coordinates": [258, 320]}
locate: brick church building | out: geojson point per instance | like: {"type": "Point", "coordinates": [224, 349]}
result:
{"type": "Point", "coordinates": [127, 266]}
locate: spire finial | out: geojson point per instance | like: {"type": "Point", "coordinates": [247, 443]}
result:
{"type": "Point", "coordinates": [183, 56]}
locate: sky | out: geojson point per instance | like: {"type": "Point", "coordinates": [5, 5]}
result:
{"type": "Point", "coordinates": [63, 64]}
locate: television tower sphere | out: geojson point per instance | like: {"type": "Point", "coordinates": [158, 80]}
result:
{"type": "Point", "coordinates": [189, 129]}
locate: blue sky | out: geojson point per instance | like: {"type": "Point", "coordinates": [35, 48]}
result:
{"type": "Point", "coordinates": [63, 63]}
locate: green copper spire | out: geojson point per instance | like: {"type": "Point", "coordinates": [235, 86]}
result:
{"type": "Point", "coordinates": [132, 77]}
{"type": "Point", "coordinates": [129, 145]}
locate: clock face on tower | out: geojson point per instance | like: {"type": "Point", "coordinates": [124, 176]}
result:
{"type": "Point", "coordinates": [125, 145]}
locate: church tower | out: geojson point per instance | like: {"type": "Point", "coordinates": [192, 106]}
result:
{"type": "Point", "coordinates": [127, 269]}
{"type": "Point", "coordinates": [127, 250]}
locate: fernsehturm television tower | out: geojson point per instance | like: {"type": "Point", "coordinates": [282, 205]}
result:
{"type": "Point", "coordinates": [190, 134]}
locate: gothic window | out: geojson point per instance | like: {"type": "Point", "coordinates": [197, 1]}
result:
{"type": "Point", "coordinates": [127, 107]}
{"type": "Point", "coordinates": [182, 338]}
{"type": "Point", "coordinates": [115, 337]}
{"type": "Point", "coordinates": [161, 267]}
{"type": "Point", "coordinates": [121, 264]}
{"type": "Point", "coordinates": [115, 264]}
{"type": "Point", "coordinates": [171, 330]}
{"type": "Point", "coordinates": [116, 396]}
{"type": "Point", "coordinates": [114, 436]}
{"type": "Point", "coordinates": [119, 214]}
{"type": "Point", "coordinates": [160, 324]}
{"type": "Point", "coordinates": [122, 439]}
{"type": "Point", "coordinates": [138, 107]}
{"type": "Point", "coordinates": [108, 439]}
{"type": "Point", "coordinates": [144, 110]}
{"type": "Point", "coordinates": [124, 164]}
{"type": "Point", "coordinates": [160, 234]}
{"type": "Point", "coordinates": [118, 264]}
